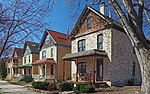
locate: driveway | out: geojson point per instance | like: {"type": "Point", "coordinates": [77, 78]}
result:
{"type": "Point", "coordinates": [7, 88]}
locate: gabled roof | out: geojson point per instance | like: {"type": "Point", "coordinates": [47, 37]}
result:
{"type": "Point", "coordinates": [19, 52]}
{"type": "Point", "coordinates": [85, 11]}
{"type": "Point", "coordinates": [59, 38]}
{"type": "Point", "coordinates": [32, 45]}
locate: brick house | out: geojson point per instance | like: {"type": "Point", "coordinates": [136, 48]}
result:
{"type": "Point", "coordinates": [54, 45]}
{"type": "Point", "coordinates": [12, 66]}
{"type": "Point", "coordinates": [101, 51]}
{"type": "Point", "coordinates": [30, 54]}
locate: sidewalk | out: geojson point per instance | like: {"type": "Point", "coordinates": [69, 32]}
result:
{"type": "Point", "coordinates": [8, 88]}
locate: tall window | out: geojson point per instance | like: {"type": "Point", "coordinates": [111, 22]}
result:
{"type": "Point", "coordinates": [25, 60]}
{"type": "Point", "coordinates": [133, 69]}
{"type": "Point", "coordinates": [82, 68]}
{"type": "Point", "coordinates": [29, 58]}
{"type": "Point", "coordinates": [81, 45]}
{"type": "Point", "coordinates": [47, 39]}
{"type": "Point", "coordinates": [52, 52]}
{"type": "Point", "coordinates": [52, 68]}
{"type": "Point", "coordinates": [100, 41]}
{"type": "Point", "coordinates": [43, 54]}
{"type": "Point", "coordinates": [89, 23]}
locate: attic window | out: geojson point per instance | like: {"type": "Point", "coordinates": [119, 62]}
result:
{"type": "Point", "coordinates": [89, 23]}
{"type": "Point", "coordinates": [47, 39]}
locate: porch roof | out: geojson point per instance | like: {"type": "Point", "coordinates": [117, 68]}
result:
{"type": "Point", "coordinates": [44, 61]}
{"type": "Point", "coordinates": [84, 53]}
{"type": "Point", "coordinates": [25, 65]}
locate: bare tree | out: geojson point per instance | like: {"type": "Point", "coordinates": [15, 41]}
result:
{"type": "Point", "coordinates": [135, 16]}
{"type": "Point", "coordinates": [21, 20]}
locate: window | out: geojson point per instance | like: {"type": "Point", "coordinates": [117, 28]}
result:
{"type": "Point", "coordinates": [82, 68]}
{"type": "Point", "coordinates": [47, 39]}
{"type": "Point", "coordinates": [133, 69]}
{"type": "Point", "coordinates": [25, 60]}
{"type": "Point", "coordinates": [81, 45]}
{"type": "Point", "coordinates": [43, 54]}
{"type": "Point", "coordinates": [29, 71]}
{"type": "Point", "coordinates": [43, 70]}
{"type": "Point", "coordinates": [100, 41]}
{"type": "Point", "coordinates": [89, 23]}
{"type": "Point", "coordinates": [29, 58]}
{"type": "Point", "coordinates": [52, 72]}
{"type": "Point", "coordinates": [52, 52]}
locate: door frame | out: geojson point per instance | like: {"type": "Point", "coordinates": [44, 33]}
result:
{"type": "Point", "coordinates": [98, 63]}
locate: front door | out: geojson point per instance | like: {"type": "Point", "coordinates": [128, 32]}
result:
{"type": "Point", "coordinates": [99, 70]}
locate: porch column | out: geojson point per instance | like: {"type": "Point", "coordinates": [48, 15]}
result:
{"type": "Point", "coordinates": [32, 70]}
{"type": "Point", "coordinates": [77, 70]}
{"type": "Point", "coordinates": [93, 69]}
{"type": "Point", "coordinates": [63, 74]}
{"type": "Point", "coordinates": [45, 71]}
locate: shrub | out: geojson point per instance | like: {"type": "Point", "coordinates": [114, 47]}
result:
{"type": "Point", "coordinates": [52, 86]}
{"type": "Point", "coordinates": [27, 78]}
{"type": "Point", "coordinates": [85, 88]}
{"type": "Point", "coordinates": [40, 85]}
{"type": "Point", "coordinates": [130, 82]}
{"type": "Point", "coordinates": [66, 86]}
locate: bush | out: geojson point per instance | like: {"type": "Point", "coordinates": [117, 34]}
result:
{"type": "Point", "coordinates": [27, 78]}
{"type": "Point", "coordinates": [130, 82]}
{"type": "Point", "coordinates": [40, 85]}
{"type": "Point", "coordinates": [52, 86]}
{"type": "Point", "coordinates": [85, 88]}
{"type": "Point", "coordinates": [66, 86]}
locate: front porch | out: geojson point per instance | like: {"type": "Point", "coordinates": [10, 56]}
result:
{"type": "Point", "coordinates": [44, 70]}
{"type": "Point", "coordinates": [89, 66]}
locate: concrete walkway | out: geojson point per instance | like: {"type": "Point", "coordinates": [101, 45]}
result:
{"type": "Point", "coordinates": [7, 88]}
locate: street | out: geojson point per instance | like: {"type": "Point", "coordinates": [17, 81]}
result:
{"type": "Point", "coordinates": [7, 88]}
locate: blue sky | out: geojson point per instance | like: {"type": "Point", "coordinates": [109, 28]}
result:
{"type": "Point", "coordinates": [60, 18]}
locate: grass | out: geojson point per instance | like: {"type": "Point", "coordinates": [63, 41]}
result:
{"type": "Point", "coordinates": [117, 90]}
{"type": "Point", "coordinates": [20, 83]}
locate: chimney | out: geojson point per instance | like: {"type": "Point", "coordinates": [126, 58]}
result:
{"type": "Point", "coordinates": [103, 9]}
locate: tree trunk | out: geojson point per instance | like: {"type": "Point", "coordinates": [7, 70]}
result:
{"type": "Point", "coordinates": [144, 61]}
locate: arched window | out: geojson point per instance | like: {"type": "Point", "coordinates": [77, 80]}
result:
{"type": "Point", "coordinates": [81, 45]}
{"type": "Point", "coordinates": [100, 41]}
{"type": "Point", "coordinates": [47, 39]}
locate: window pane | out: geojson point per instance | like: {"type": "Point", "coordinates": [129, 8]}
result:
{"type": "Point", "coordinates": [99, 41]}
{"type": "Point", "coordinates": [81, 45]}
{"type": "Point", "coordinates": [82, 68]}
{"type": "Point", "coordinates": [51, 52]}
{"type": "Point", "coordinates": [89, 22]}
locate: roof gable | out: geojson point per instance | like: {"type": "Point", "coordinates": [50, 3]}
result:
{"type": "Point", "coordinates": [17, 52]}
{"type": "Point", "coordinates": [84, 15]}
{"type": "Point", "coordinates": [56, 37]}
{"type": "Point", "coordinates": [33, 46]}
{"type": "Point", "coordinates": [60, 38]}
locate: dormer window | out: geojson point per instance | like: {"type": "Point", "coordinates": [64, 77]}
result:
{"type": "Point", "coordinates": [47, 39]}
{"type": "Point", "coordinates": [89, 23]}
